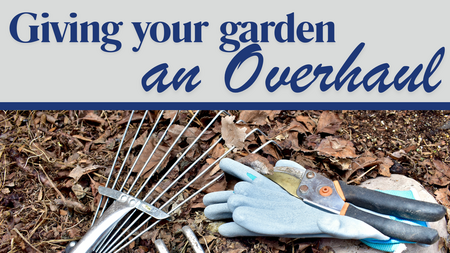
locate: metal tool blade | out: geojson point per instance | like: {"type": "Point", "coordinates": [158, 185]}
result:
{"type": "Point", "coordinates": [308, 186]}
{"type": "Point", "coordinates": [289, 178]}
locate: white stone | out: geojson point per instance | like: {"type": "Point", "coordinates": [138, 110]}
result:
{"type": "Point", "coordinates": [400, 183]}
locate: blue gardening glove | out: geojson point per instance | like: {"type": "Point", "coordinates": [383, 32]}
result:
{"type": "Point", "coordinates": [259, 207]}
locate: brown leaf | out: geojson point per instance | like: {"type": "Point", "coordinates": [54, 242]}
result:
{"type": "Point", "coordinates": [398, 154]}
{"type": "Point", "coordinates": [328, 123]}
{"type": "Point", "coordinates": [92, 117]}
{"type": "Point", "coordinates": [290, 142]}
{"type": "Point", "coordinates": [233, 135]}
{"type": "Point", "coordinates": [218, 151]}
{"type": "Point", "coordinates": [191, 132]}
{"type": "Point", "coordinates": [307, 121]}
{"type": "Point", "coordinates": [136, 116]}
{"type": "Point", "coordinates": [258, 163]}
{"type": "Point", "coordinates": [442, 196]}
{"type": "Point", "coordinates": [312, 141]}
{"type": "Point", "coordinates": [103, 137]}
{"type": "Point", "coordinates": [438, 178]}
{"type": "Point", "coordinates": [442, 167]}
{"type": "Point", "coordinates": [79, 171]}
{"type": "Point", "coordinates": [169, 114]}
{"type": "Point", "coordinates": [336, 147]}
{"type": "Point", "coordinates": [41, 151]}
{"type": "Point", "coordinates": [155, 159]}
{"type": "Point", "coordinates": [272, 113]}
{"type": "Point", "coordinates": [80, 137]}
{"type": "Point", "coordinates": [298, 127]}
{"type": "Point", "coordinates": [384, 167]}
{"type": "Point", "coordinates": [253, 117]}
{"type": "Point", "coordinates": [207, 177]}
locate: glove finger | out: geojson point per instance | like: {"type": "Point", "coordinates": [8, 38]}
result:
{"type": "Point", "coordinates": [247, 174]}
{"type": "Point", "coordinates": [289, 163]}
{"type": "Point", "coordinates": [343, 227]}
{"type": "Point", "coordinates": [303, 221]}
{"type": "Point", "coordinates": [262, 193]}
{"type": "Point", "coordinates": [237, 201]}
{"type": "Point", "coordinates": [232, 229]}
{"type": "Point", "coordinates": [216, 197]}
{"type": "Point", "coordinates": [276, 222]}
{"type": "Point", "coordinates": [218, 212]}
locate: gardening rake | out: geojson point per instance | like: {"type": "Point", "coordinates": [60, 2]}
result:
{"type": "Point", "coordinates": [128, 217]}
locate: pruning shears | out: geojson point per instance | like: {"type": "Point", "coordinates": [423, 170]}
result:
{"type": "Point", "coordinates": [340, 198]}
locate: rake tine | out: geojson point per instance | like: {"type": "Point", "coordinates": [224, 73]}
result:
{"type": "Point", "coordinates": [153, 152]}
{"type": "Point", "coordinates": [129, 150]}
{"type": "Point", "coordinates": [182, 174]}
{"type": "Point", "coordinates": [99, 247]}
{"type": "Point", "coordinates": [181, 157]}
{"type": "Point", "coordinates": [126, 228]}
{"type": "Point", "coordinates": [156, 222]}
{"type": "Point", "coordinates": [265, 144]}
{"type": "Point", "coordinates": [174, 197]}
{"type": "Point", "coordinates": [164, 157]}
{"type": "Point", "coordinates": [112, 167]}
{"type": "Point", "coordinates": [168, 202]}
{"type": "Point", "coordinates": [142, 150]}
{"type": "Point", "coordinates": [159, 196]}
{"type": "Point", "coordinates": [161, 247]}
{"type": "Point", "coordinates": [178, 206]}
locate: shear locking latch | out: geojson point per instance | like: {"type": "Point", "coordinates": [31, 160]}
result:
{"type": "Point", "coordinates": [134, 202]}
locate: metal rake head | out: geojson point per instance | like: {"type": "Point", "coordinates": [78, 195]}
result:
{"type": "Point", "coordinates": [147, 185]}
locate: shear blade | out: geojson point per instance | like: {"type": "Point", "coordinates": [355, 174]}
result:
{"type": "Point", "coordinates": [289, 181]}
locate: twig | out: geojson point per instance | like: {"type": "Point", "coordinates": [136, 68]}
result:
{"type": "Point", "coordinates": [77, 206]}
{"type": "Point", "coordinates": [25, 240]}
{"type": "Point", "coordinates": [53, 185]}
{"type": "Point", "coordinates": [206, 243]}
{"type": "Point", "coordinates": [40, 223]}
{"type": "Point", "coordinates": [362, 174]}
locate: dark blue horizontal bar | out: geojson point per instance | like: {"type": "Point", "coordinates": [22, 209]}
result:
{"type": "Point", "coordinates": [223, 106]}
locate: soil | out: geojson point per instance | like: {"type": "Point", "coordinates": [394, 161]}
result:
{"type": "Point", "coordinates": [52, 163]}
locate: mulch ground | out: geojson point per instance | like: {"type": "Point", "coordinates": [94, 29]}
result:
{"type": "Point", "coordinates": [52, 163]}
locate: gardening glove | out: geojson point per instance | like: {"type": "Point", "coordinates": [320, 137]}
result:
{"type": "Point", "coordinates": [260, 207]}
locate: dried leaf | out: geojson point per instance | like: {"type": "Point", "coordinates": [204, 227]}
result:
{"type": "Point", "coordinates": [296, 126]}
{"type": "Point", "coordinates": [398, 154]}
{"type": "Point", "coordinates": [136, 116]}
{"type": "Point", "coordinates": [80, 137]}
{"type": "Point", "coordinates": [169, 114]}
{"type": "Point", "coordinates": [290, 141]}
{"type": "Point", "coordinates": [253, 117]}
{"type": "Point", "coordinates": [156, 158]}
{"type": "Point", "coordinates": [79, 171]}
{"type": "Point", "coordinates": [206, 178]}
{"type": "Point", "coordinates": [258, 163]}
{"type": "Point", "coordinates": [328, 123]}
{"type": "Point", "coordinates": [103, 137]}
{"type": "Point", "coordinates": [442, 196]}
{"type": "Point", "coordinates": [232, 135]}
{"type": "Point", "coordinates": [442, 167]}
{"type": "Point", "coordinates": [78, 190]}
{"type": "Point", "coordinates": [307, 121]}
{"type": "Point", "coordinates": [438, 178]}
{"type": "Point", "coordinates": [218, 151]}
{"type": "Point", "coordinates": [92, 117]}
{"type": "Point", "coordinates": [272, 113]}
{"type": "Point", "coordinates": [336, 147]}
{"type": "Point", "coordinates": [384, 167]}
